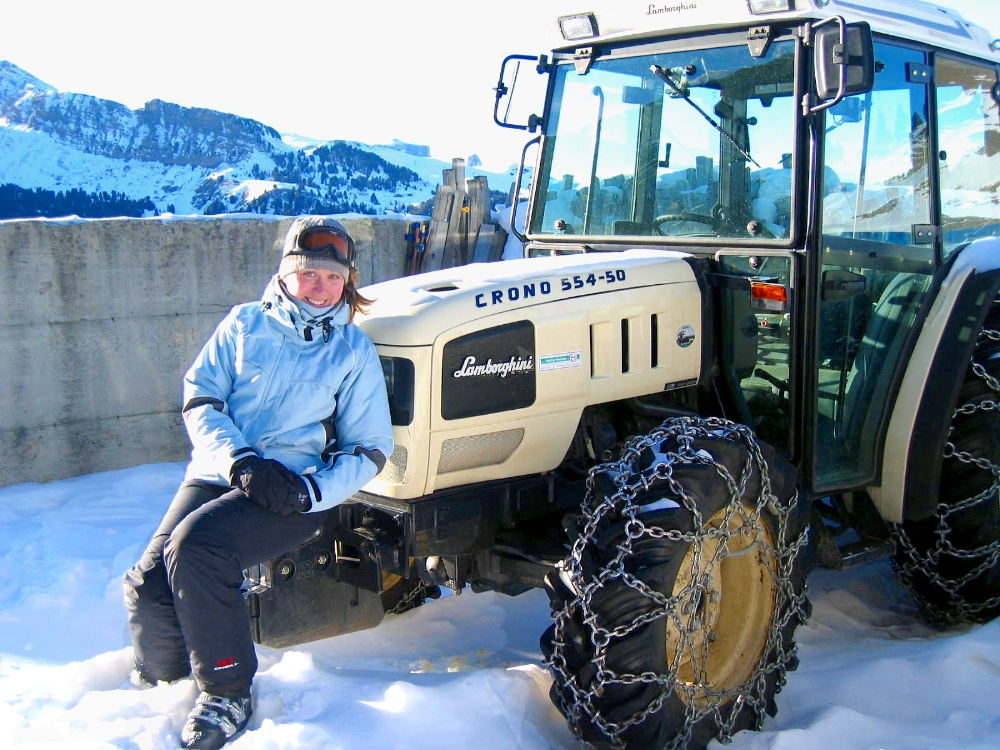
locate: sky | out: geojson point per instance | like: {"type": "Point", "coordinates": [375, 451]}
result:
{"type": "Point", "coordinates": [422, 72]}
{"type": "Point", "coordinates": [457, 673]}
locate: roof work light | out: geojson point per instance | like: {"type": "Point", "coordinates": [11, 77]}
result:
{"type": "Point", "coordinates": [578, 27]}
{"type": "Point", "coordinates": [759, 7]}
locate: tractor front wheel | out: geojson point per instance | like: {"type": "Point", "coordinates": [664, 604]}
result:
{"type": "Point", "coordinates": [675, 611]}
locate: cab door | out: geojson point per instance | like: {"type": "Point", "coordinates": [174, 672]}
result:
{"type": "Point", "coordinates": [879, 249]}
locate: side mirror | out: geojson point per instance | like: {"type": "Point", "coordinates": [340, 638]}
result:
{"type": "Point", "coordinates": [845, 60]}
{"type": "Point", "coordinates": [519, 113]}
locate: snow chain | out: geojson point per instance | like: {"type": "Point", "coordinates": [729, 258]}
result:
{"type": "Point", "coordinates": [910, 560]}
{"type": "Point", "coordinates": [416, 596]}
{"type": "Point", "coordinates": [700, 698]}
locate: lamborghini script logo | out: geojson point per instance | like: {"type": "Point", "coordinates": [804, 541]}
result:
{"type": "Point", "coordinates": [470, 369]}
{"type": "Point", "coordinates": [676, 8]}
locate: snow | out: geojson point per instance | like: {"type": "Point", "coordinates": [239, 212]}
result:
{"type": "Point", "coordinates": [37, 160]}
{"type": "Point", "coordinates": [463, 671]}
{"type": "Point", "coordinates": [33, 158]}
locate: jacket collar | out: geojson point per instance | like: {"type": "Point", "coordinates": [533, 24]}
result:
{"type": "Point", "coordinates": [297, 323]}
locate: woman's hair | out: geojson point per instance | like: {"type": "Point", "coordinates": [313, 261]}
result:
{"type": "Point", "coordinates": [352, 298]}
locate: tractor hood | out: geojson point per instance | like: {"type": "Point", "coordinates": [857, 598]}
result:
{"type": "Point", "coordinates": [414, 310]}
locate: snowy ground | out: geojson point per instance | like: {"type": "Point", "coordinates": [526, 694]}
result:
{"type": "Point", "coordinates": [461, 672]}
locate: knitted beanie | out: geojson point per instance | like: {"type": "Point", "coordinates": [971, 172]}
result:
{"type": "Point", "coordinates": [293, 259]}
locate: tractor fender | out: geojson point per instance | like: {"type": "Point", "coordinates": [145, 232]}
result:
{"type": "Point", "coordinates": [922, 413]}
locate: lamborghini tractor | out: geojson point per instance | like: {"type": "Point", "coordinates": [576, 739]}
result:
{"type": "Point", "coordinates": [755, 329]}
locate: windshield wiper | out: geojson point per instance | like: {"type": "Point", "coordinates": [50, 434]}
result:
{"type": "Point", "coordinates": [665, 77]}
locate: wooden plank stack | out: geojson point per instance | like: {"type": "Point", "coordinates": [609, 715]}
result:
{"type": "Point", "coordinates": [460, 229]}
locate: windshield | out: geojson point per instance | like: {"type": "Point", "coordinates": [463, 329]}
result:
{"type": "Point", "coordinates": [690, 144]}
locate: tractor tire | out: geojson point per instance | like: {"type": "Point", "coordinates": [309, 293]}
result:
{"type": "Point", "coordinates": [951, 561]}
{"type": "Point", "coordinates": [675, 612]}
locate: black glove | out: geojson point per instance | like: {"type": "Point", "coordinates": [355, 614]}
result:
{"type": "Point", "coordinates": [271, 485]}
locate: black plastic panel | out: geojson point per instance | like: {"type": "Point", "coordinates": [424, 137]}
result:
{"type": "Point", "coordinates": [489, 371]}
{"type": "Point", "coordinates": [306, 601]}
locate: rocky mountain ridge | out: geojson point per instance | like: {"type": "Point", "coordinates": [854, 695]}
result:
{"type": "Point", "coordinates": [160, 131]}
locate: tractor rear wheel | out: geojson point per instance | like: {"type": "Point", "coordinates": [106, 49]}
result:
{"type": "Point", "coordinates": [951, 561]}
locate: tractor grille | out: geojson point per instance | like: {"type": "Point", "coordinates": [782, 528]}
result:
{"type": "Point", "coordinates": [475, 451]}
{"type": "Point", "coordinates": [395, 468]}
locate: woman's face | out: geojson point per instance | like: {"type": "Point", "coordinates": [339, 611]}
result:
{"type": "Point", "coordinates": [319, 287]}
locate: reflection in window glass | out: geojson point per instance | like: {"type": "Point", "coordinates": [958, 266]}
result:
{"type": "Point", "coordinates": [699, 149]}
{"type": "Point", "coordinates": [875, 190]}
{"type": "Point", "coordinates": [969, 151]}
{"type": "Point", "coordinates": [757, 349]}
{"type": "Point", "coordinates": [875, 179]}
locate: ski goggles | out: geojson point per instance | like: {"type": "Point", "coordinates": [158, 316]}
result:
{"type": "Point", "coordinates": [327, 242]}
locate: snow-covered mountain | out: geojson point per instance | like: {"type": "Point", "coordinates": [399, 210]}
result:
{"type": "Point", "coordinates": [198, 161]}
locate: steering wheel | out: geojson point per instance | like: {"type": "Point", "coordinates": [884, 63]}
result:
{"type": "Point", "coordinates": [711, 221]}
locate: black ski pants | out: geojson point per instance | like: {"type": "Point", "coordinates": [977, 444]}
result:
{"type": "Point", "coordinates": [185, 606]}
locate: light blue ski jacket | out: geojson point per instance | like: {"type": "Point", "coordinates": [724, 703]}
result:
{"type": "Point", "coordinates": [309, 393]}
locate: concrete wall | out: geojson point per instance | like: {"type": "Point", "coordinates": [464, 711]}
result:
{"type": "Point", "coordinates": [101, 318]}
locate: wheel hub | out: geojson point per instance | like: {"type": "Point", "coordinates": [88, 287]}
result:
{"type": "Point", "coordinates": [726, 594]}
